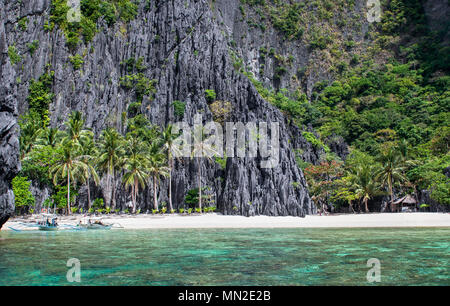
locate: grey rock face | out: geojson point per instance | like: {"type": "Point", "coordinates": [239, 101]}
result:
{"type": "Point", "coordinates": [307, 65]}
{"type": "Point", "coordinates": [425, 198]}
{"type": "Point", "coordinates": [40, 195]}
{"type": "Point", "coordinates": [438, 17]}
{"type": "Point", "coordinates": [447, 172]}
{"type": "Point", "coordinates": [338, 145]}
{"type": "Point", "coordinates": [186, 49]}
{"type": "Point", "coordinates": [9, 143]}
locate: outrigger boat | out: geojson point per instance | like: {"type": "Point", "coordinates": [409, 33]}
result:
{"type": "Point", "coordinates": [94, 223]}
{"type": "Point", "coordinates": [48, 223]}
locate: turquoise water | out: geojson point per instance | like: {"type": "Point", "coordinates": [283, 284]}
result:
{"type": "Point", "coordinates": [227, 257]}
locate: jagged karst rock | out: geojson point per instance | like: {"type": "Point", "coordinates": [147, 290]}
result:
{"type": "Point", "coordinates": [447, 172]}
{"type": "Point", "coordinates": [9, 142]}
{"type": "Point", "coordinates": [186, 49]}
{"type": "Point", "coordinates": [337, 145]}
{"type": "Point", "coordinates": [40, 194]}
{"type": "Point", "coordinates": [425, 198]}
{"type": "Point", "coordinates": [438, 16]}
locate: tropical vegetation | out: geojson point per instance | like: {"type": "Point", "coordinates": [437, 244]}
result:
{"type": "Point", "coordinates": [66, 159]}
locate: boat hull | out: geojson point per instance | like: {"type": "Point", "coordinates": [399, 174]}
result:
{"type": "Point", "coordinates": [96, 227]}
{"type": "Point", "coordinates": [48, 228]}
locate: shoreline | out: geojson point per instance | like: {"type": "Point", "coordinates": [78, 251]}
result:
{"type": "Point", "coordinates": [219, 221]}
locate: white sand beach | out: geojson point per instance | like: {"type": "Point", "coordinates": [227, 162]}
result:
{"type": "Point", "coordinates": [220, 221]}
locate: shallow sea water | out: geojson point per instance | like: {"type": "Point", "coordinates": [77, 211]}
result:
{"type": "Point", "coordinates": [408, 256]}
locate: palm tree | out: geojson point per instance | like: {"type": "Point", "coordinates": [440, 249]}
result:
{"type": "Point", "coordinates": [75, 128]}
{"type": "Point", "coordinates": [364, 183]}
{"type": "Point", "coordinates": [68, 164]}
{"type": "Point", "coordinates": [346, 191]}
{"type": "Point", "coordinates": [135, 176]}
{"type": "Point", "coordinates": [135, 165]}
{"type": "Point", "coordinates": [48, 137]}
{"type": "Point", "coordinates": [29, 133]}
{"type": "Point", "coordinates": [89, 151]}
{"type": "Point", "coordinates": [82, 138]}
{"type": "Point", "coordinates": [168, 140]}
{"type": "Point", "coordinates": [156, 168]}
{"type": "Point", "coordinates": [111, 151]}
{"type": "Point", "coordinates": [201, 149]}
{"type": "Point", "coordinates": [391, 170]}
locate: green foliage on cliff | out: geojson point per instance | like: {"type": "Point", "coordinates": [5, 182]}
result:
{"type": "Point", "coordinates": [76, 61]}
{"type": "Point", "coordinates": [391, 88]}
{"type": "Point", "coordinates": [295, 19]}
{"type": "Point", "coordinates": [179, 108]}
{"type": "Point", "coordinates": [40, 96]}
{"type": "Point", "coordinates": [297, 108]}
{"type": "Point", "coordinates": [287, 19]}
{"type": "Point", "coordinates": [407, 92]}
{"type": "Point", "coordinates": [221, 161]}
{"type": "Point", "coordinates": [134, 109]}
{"type": "Point", "coordinates": [23, 23]}
{"type": "Point", "coordinates": [23, 198]}
{"type": "Point", "coordinates": [210, 95]}
{"type": "Point", "coordinates": [14, 55]}
{"type": "Point", "coordinates": [33, 46]}
{"type": "Point", "coordinates": [91, 11]}
{"type": "Point", "coordinates": [312, 139]}
{"type": "Point", "coordinates": [132, 64]}
{"type": "Point", "coordinates": [138, 82]}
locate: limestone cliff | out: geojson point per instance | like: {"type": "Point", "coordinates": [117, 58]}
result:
{"type": "Point", "coordinates": [186, 49]}
{"type": "Point", "coordinates": [9, 143]}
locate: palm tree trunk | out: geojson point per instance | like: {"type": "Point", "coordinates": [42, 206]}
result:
{"type": "Point", "coordinates": [89, 193]}
{"type": "Point", "coordinates": [108, 190]}
{"type": "Point", "coordinates": [351, 206]}
{"type": "Point", "coordinates": [68, 192]}
{"type": "Point", "coordinates": [136, 188]}
{"type": "Point", "coordinates": [391, 192]}
{"type": "Point", "coordinates": [365, 204]}
{"type": "Point", "coordinates": [133, 196]}
{"type": "Point", "coordinates": [155, 200]}
{"type": "Point", "coordinates": [199, 186]}
{"type": "Point", "coordinates": [113, 191]}
{"type": "Point", "coordinates": [170, 183]}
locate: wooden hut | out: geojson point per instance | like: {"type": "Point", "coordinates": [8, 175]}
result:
{"type": "Point", "coordinates": [407, 202]}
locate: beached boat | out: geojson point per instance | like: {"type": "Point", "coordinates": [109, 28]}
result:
{"type": "Point", "coordinates": [48, 223]}
{"type": "Point", "coordinates": [93, 223]}
{"type": "Point", "coordinates": [48, 228]}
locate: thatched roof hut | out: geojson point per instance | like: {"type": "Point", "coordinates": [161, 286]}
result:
{"type": "Point", "coordinates": [407, 200]}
